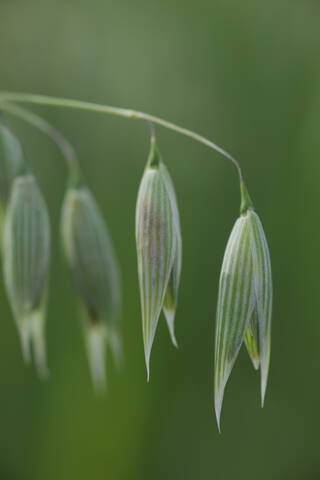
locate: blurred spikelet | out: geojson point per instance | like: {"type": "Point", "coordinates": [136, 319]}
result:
{"type": "Point", "coordinates": [26, 248]}
{"type": "Point", "coordinates": [94, 269]}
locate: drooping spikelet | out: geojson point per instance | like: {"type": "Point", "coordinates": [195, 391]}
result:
{"type": "Point", "coordinates": [159, 249]}
{"type": "Point", "coordinates": [244, 302]}
{"type": "Point", "coordinates": [12, 163]}
{"type": "Point", "coordinates": [26, 249]}
{"type": "Point", "coordinates": [93, 265]}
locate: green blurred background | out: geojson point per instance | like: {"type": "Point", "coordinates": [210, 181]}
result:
{"type": "Point", "coordinates": [247, 75]}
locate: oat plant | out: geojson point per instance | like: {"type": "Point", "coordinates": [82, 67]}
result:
{"type": "Point", "coordinates": [245, 290]}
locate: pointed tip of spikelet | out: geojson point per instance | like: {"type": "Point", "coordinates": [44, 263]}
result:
{"type": "Point", "coordinates": [96, 346]}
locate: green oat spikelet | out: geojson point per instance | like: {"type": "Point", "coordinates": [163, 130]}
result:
{"type": "Point", "coordinates": [12, 163]}
{"type": "Point", "coordinates": [26, 248]}
{"type": "Point", "coordinates": [244, 301]}
{"type": "Point", "coordinates": [94, 268]}
{"type": "Point", "coordinates": [159, 249]}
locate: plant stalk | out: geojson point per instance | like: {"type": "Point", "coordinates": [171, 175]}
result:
{"type": "Point", "coordinates": [63, 144]}
{"type": "Point", "coordinates": [10, 97]}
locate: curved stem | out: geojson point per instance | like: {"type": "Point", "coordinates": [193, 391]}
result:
{"type": "Point", "coordinates": [63, 144]}
{"type": "Point", "coordinates": [122, 112]}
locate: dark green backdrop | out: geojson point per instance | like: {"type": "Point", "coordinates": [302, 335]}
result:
{"type": "Point", "coordinates": [247, 75]}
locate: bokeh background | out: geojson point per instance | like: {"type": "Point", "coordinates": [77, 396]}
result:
{"type": "Point", "coordinates": [247, 75]}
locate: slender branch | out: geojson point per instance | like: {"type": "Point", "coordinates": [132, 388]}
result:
{"type": "Point", "coordinates": [63, 144]}
{"type": "Point", "coordinates": [122, 112]}
{"type": "Point", "coordinates": [152, 130]}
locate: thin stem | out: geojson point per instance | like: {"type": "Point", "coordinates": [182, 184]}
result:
{"type": "Point", "coordinates": [195, 136]}
{"type": "Point", "coordinates": [63, 144]}
{"type": "Point", "coordinates": [122, 112]}
{"type": "Point", "coordinates": [152, 131]}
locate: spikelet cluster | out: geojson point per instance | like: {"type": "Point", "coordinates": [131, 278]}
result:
{"type": "Point", "coordinates": [244, 304]}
